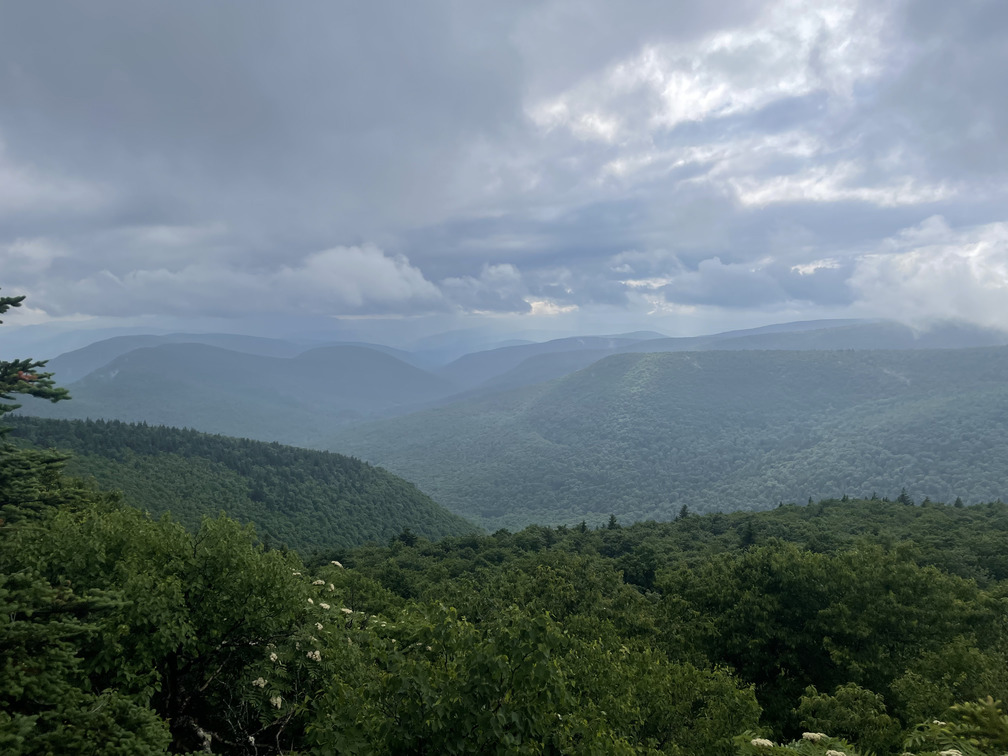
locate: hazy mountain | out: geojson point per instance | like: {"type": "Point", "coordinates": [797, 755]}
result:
{"type": "Point", "coordinates": [513, 367]}
{"type": "Point", "coordinates": [71, 366]}
{"type": "Point", "coordinates": [296, 497]}
{"type": "Point", "coordinates": [476, 368]}
{"type": "Point", "coordinates": [237, 393]}
{"type": "Point", "coordinates": [830, 334]}
{"type": "Point", "coordinates": [639, 435]}
{"type": "Point", "coordinates": [277, 389]}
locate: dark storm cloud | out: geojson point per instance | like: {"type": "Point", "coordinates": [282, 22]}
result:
{"type": "Point", "coordinates": [338, 158]}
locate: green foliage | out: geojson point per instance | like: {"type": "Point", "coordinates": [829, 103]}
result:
{"type": "Point", "coordinates": [24, 376]}
{"type": "Point", "coordinates": [46, 702]}
{"type": "Point", "coordinates": [978, 728]}
{"type": "Point", "coordinates": [854, 713]}
{"type": "Point", "coordinates": [305, 500]}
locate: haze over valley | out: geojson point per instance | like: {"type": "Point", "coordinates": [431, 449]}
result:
{"type": "Point", "coordinates": [634, 425]}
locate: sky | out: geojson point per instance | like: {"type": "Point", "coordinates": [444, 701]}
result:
{"type": "Point", "coordinates": [394, 169]}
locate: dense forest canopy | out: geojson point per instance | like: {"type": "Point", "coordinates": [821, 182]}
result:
{"type": "Point", "coordinates": [299, 498]}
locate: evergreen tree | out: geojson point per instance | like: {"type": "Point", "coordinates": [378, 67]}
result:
{"type": "Point", "coordinates": [26, 477]}
{"type": "Point", "coordinates": [23, 376]}
{"type": "Point", "coordinates": [47, 702]}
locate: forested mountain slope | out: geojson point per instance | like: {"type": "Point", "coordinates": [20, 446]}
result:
{"type": "Point", "coordinates": [303, 499]}
{"type": "Point", "coordinates": [642, 435]}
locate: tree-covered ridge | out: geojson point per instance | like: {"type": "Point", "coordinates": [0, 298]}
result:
{"type": "Point", "coordinates": [299, 498]}
{"type": "Point", "coordinates": [641, 435]}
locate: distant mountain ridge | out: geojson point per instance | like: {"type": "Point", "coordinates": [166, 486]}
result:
{"type": "Point", "coordinates": [77, 363]}
{"type": "Point", "coordinates": [473, 369]}
{"type": "Point", "coordinates": [501, 369]}
{"type": "Point", "coordinates": [640, 435]}
{"type": "Point", "coordinates": [300, 393]}
{"type": "Point", "coordinates": [250, 395]}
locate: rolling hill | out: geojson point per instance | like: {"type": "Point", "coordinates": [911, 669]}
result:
{"type": "Point", "coordinates": [306, 500]}
{"type": "Point", "coordinates": [513, 367]}
{"type": "Point", "coordinates": [73, 365]}
{"type": "Point", "coordinates": [276, 390]}
{"type": "Point", "coordinates": [641, 435]}
{"type": "Point", "coordinates": [296, 399]}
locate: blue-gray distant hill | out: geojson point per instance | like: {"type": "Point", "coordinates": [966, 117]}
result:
{"type": "Point", "coordinates": [73, 365]}
{"type": "Point", "coordinates": [641, 435]}
{"type": "Point", "coordinates": [277, 390]}
{"type": "Point", "coordinates": [474, 369]}
{"type": "Point", "coordinates": [294, 399]}
{"type": "Point", "coordinates": [512, 367]}
{"type": "Point", "coordinates": [306, 500]}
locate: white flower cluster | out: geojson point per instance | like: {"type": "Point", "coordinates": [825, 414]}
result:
{"type": "Point", "coordinates": [814, 737]}
{"type": "Point", "coordinates": [950, 752]}
{"type": "Point", "coordinates": [318, 582]}
{"type": "Point", "coordinates": [761, 743]}
{"type": "Point", "coordinates": [259, 682]}
{"type": "Point", "coordinates": [837, 753]}
{"type": "Point", "coordinates": [315, 655]}
{"type": "Point", "coordinates": [346, 611]}
{"type": "Point", "coordinates": [277, 702]}
{"type": "Point", "coordinates": [273, 657]}
{"type": "Point", "coordinates": [323, 604]}
{"type": "Point", "coordinates": [337, 564]}
{"type": "Point", "coordinates": [318, 625]}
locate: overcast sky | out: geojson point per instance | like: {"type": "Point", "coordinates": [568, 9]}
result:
{"type": "Point", "coordinates": [564, 165]}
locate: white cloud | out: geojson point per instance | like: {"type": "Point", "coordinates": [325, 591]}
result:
{"type": "Point", "coordinates": [337, 281]}
{"type": "Point", "coordinates": [932, 272]}
{"type": "Point", "coordinates": [840, 182]}
{"type": "Point", "coordinates": [549, 308]}
{"type": "Point", "coordinates": [831, 51]}
{"type": "Point", "coordinates": [355, 278]}
{"type": "Point", "coordinates": [797, 48]}
{"type": "Point", "coordinates": [809, 268]}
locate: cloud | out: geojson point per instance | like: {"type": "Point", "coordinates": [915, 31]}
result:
{"type": "Point", "coordinates": [24, 259]}
{"type": "Point", "coordinates": [497, 288]}
{"type": "Point", "coordinates": [932, 271]}
{"type": "Point", "coordinates": [26, 189]}
{"type": "Point", "coordinates": [333, 282]}
{"type": "Point", "coordinates": [793, 50]}
{"type": "Point", "coordinates": [727, 285]}
{"type": "Point", "coordinates": [715, 161]}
